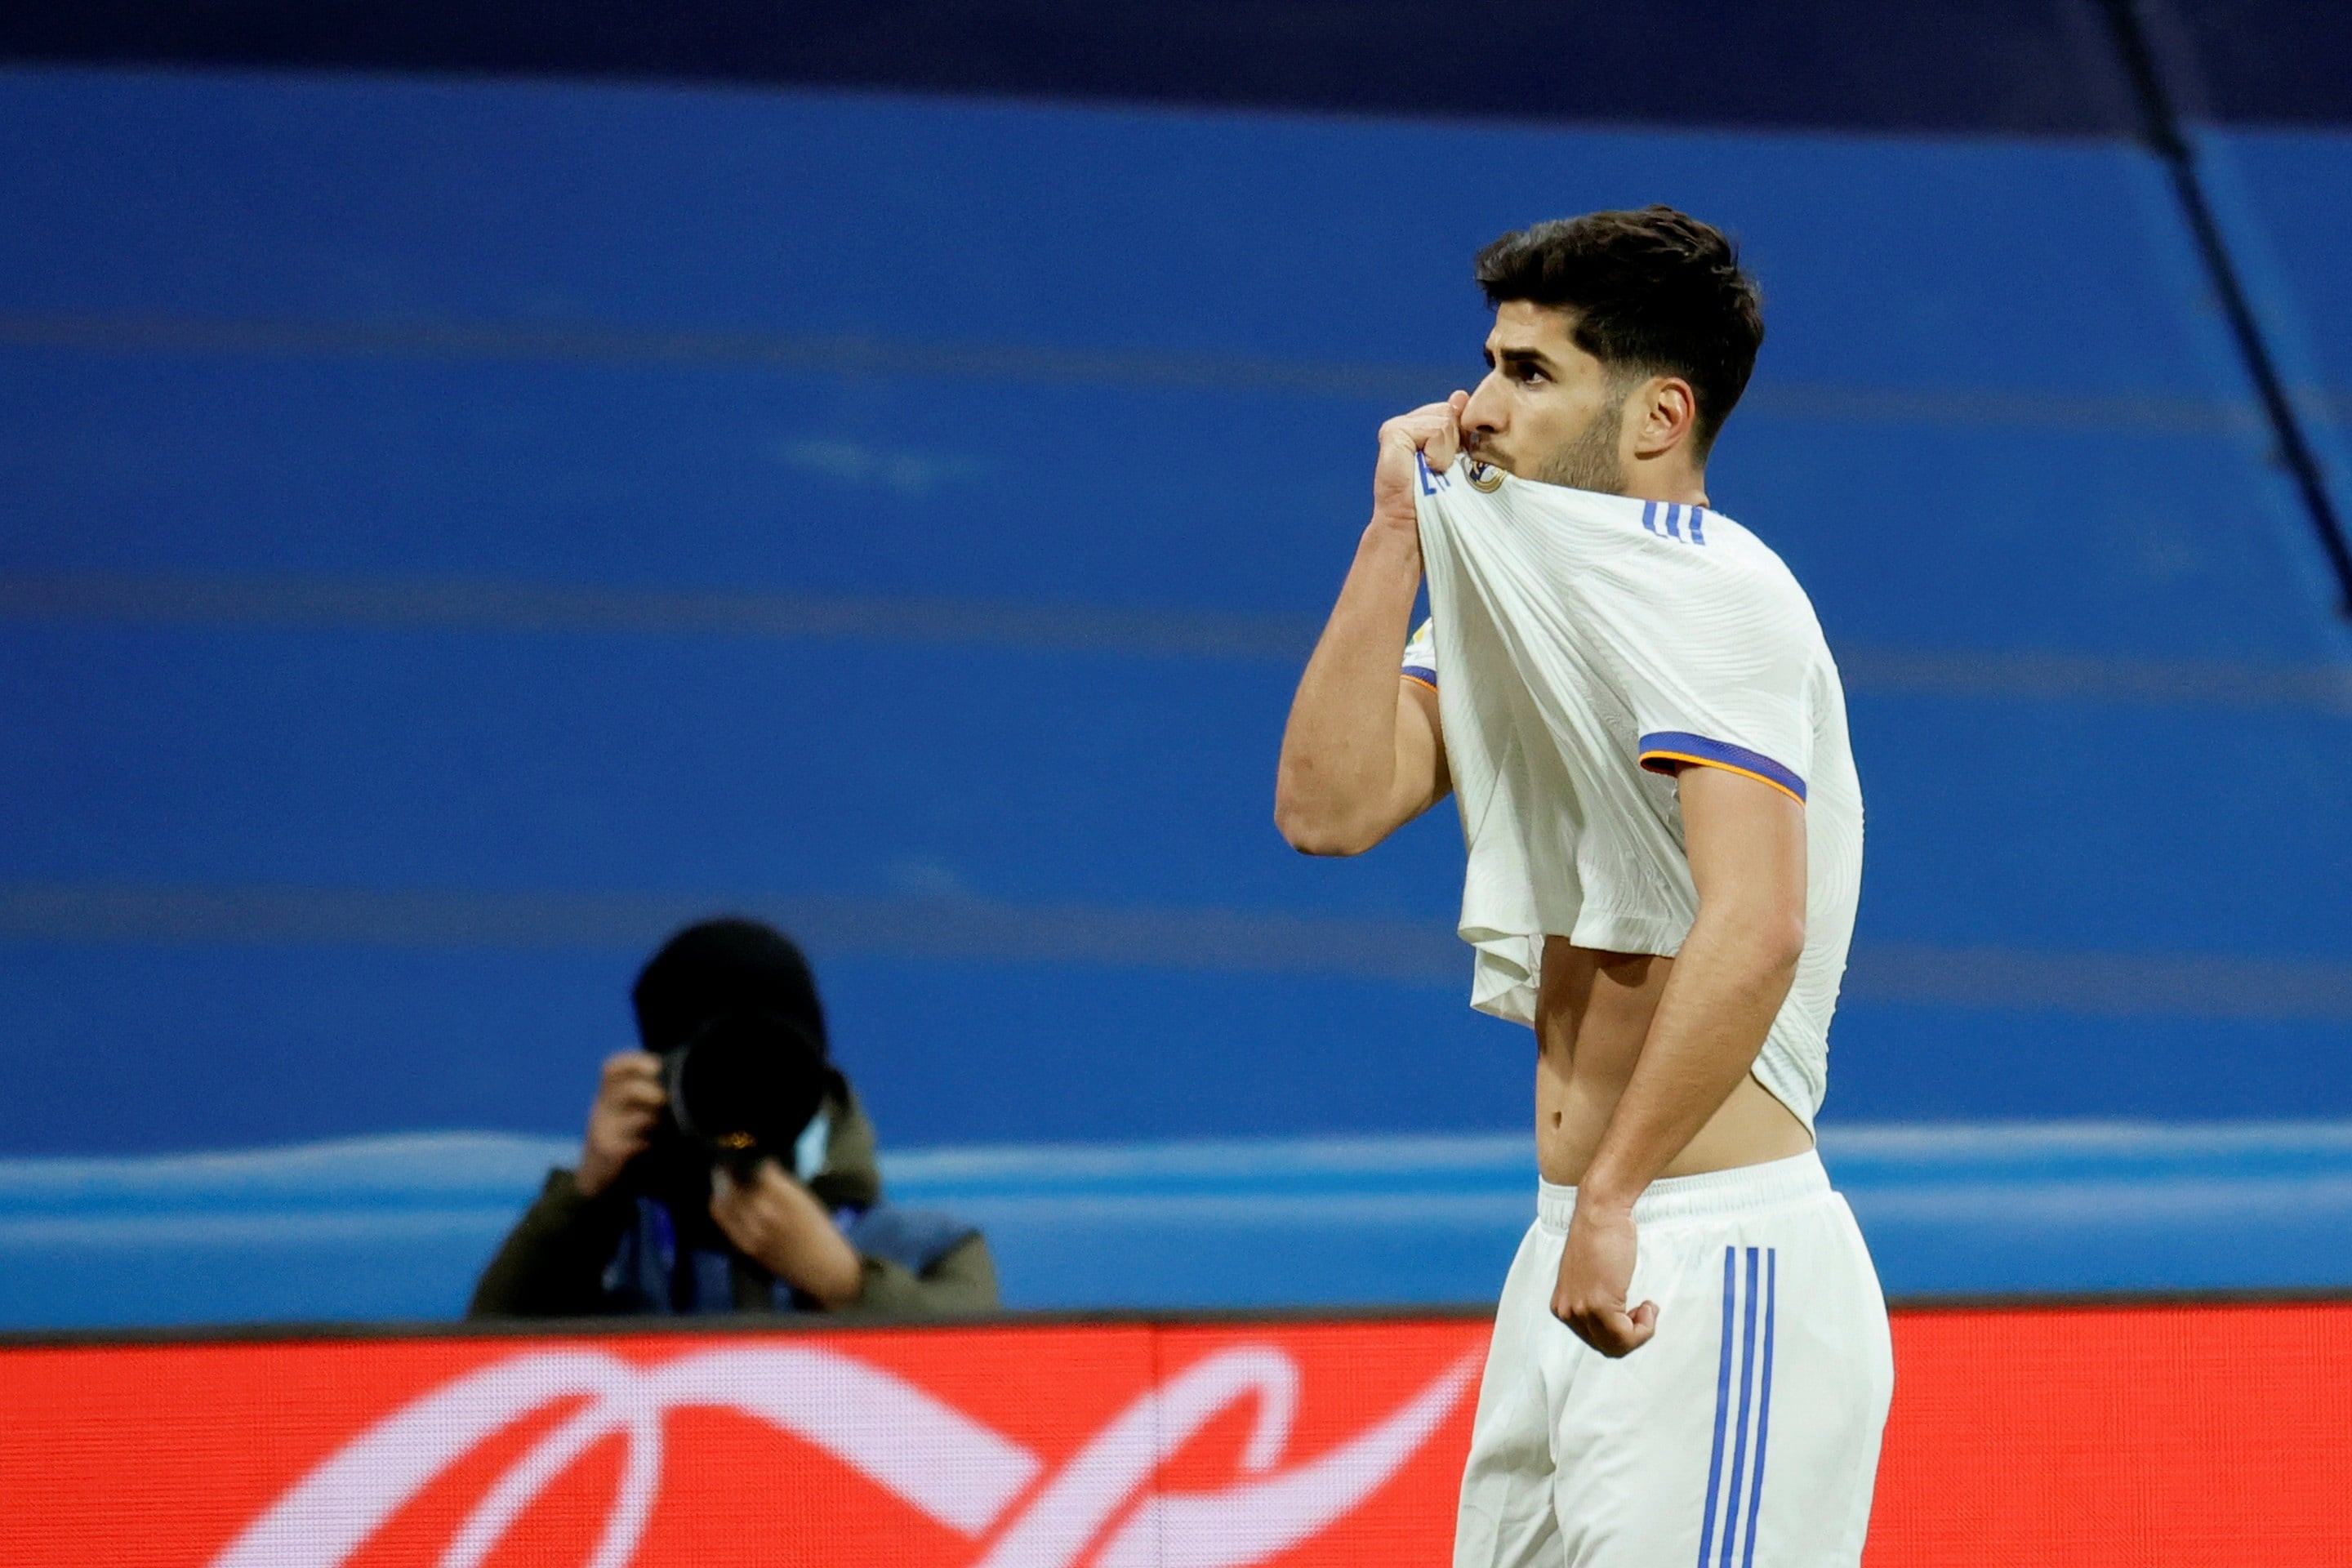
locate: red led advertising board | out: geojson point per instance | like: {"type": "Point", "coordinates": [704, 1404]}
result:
{"type": "Point", "coordinates": [2085, 1437]}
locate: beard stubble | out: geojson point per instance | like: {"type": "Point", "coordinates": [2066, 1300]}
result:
{"type": "Point", "coordinates": [1591, 461]}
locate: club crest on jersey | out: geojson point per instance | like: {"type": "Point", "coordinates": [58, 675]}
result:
{"type": "Point", "coordinates": [1485, 478]}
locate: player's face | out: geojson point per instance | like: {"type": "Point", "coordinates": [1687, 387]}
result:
{"type": "Point", "coordinates": [1547, 410]}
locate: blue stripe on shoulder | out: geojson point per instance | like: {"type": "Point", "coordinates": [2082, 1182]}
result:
{"type": "Point", "coordinates": [1673, 519]}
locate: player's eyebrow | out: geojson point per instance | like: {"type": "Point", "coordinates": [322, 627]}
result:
{"type": "Point", "coordinates": [1526, 359]}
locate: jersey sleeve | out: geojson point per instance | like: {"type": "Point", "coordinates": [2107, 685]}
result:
{"type": "Point", "coordinates": [1727, 682]}
{"type": "Point", "coordinates": [1420, 656]}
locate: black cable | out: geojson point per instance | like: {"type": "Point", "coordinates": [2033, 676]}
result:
{"type": "Point", "coordinates": [2160, 125]}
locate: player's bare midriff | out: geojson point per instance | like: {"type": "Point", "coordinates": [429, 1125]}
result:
{"type": "Point", "coordinates": [1592, 1012]}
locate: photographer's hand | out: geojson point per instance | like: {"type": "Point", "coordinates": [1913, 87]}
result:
{"type": "Point", "coordinates": [628, 1102]}
{"type": "Point", "coordinates": [776, 1220]}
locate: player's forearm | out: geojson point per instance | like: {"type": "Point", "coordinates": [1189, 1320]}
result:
{"type": "Point", "coordinates": [1337, 776]}
{"type": "Point", "coordinates": [1729, 981]}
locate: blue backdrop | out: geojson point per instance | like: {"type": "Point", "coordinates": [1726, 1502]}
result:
{"type": "Point", "coordinates": [454, 533]}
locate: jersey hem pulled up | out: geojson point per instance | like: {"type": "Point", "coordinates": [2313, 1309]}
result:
{"type": "Point", "coordinates": [1585, 649]}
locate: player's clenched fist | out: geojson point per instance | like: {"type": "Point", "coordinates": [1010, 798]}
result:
{"type": "Point", "coordinates": [1432, 433]}
{"type": "Point", "coordinates": [1596, 1272]}
{"type": "Point", "coordinates": [620, 1124]}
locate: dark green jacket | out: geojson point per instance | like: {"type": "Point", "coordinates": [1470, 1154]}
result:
{"type": "Point", "coordinates": [554, 1263]}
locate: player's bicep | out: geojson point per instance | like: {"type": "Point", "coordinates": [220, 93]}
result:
{"type": "Point", "coordinates": [1422, 779]}
{"type": "Point", "coordinates": [1745, 838]}
{"type": "Point", "coordinates": [1729, 685]}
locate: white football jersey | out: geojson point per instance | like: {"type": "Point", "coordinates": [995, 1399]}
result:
{"type": "Point", "coordinates": [1586, 647]}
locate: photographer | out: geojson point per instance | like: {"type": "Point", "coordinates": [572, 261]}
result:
{"type": "Point", "coordinates": [728, 1166]}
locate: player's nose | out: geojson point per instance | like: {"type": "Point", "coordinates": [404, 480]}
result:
{"type": "Point", "coordinates": [1483, 416]}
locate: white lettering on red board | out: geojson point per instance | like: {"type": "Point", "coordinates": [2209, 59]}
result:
{"type": "Point", "coordinates": [1099, 1507]}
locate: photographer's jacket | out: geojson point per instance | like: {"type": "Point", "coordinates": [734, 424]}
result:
{"type": "Point", "coordinates": [619, 1253]}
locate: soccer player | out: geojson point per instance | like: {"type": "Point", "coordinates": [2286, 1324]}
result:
{"type": "Point", "coordinates": [1631, 698]}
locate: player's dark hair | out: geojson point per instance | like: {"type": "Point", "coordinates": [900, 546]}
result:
{"type": "Point", "coordinates": [1653, 292]}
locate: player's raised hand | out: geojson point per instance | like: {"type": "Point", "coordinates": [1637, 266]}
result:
{"type": "Point", "coordinates": [1432, 433]}
{"type": "Point", "coordinates": [1596, 1272]}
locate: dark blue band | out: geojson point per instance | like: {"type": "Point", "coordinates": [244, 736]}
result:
{"type": "Point", "coordinates": [1668, 751]}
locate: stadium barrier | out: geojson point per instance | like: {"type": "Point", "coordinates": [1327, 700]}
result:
{"type": "Point", "coordinates": [2086, 1436]}
{"type": "Point", "coordinates": [398, 1228]}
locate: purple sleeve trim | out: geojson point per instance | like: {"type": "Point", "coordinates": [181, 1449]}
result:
{"type": "Point", "coordinates": [1667, 749]}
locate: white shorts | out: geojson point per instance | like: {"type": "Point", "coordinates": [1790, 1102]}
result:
{"type": "Point", "coordinates": [1744, 1433]}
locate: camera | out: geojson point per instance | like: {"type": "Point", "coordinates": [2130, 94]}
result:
{"type": "Point", "coordinates": [742, 1088]}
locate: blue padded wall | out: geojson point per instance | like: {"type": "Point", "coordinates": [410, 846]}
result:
{"type": "Point", "coordinates": [287, 364]}
{"type": "Point", "coordinates": [2285, 198]}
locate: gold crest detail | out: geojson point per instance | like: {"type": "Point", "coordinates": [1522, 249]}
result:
{"type": "Point", "coordinates": [1486, 479]}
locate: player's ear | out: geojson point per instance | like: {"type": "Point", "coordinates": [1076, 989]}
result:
{"type": "Point", "coordinates": [1668, 408]}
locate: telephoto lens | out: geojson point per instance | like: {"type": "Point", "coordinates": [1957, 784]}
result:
{"type": "Point", "coordinates": [743, 1087]}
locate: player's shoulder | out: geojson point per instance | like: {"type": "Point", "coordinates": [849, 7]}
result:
{"type": "Point", "coordinates": [1713, 580]}
{"type": "Point", "coordinates": [1669, 549]}
{"type": "Point", "coordinates": [1726, 549]}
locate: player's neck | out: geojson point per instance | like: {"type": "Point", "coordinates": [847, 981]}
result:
{"type": "Point", "coordinates": [1668, 482]}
